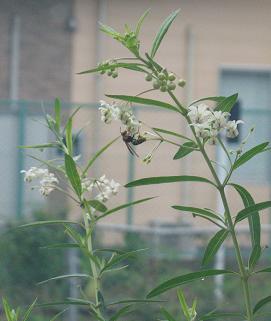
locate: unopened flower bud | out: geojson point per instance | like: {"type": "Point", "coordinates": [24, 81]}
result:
{"type": "Point", "coordinates": [161, 76]}
{"type": "Point", "coordinates": [163, 88]}
{"type": "Point", "coordinates": [181, 82]}
{"type": "Point", "coordinates": [148, 77]}
{"type": "Point", "coordinates": [171, 86]}
{"type": "Point", "coordinates": [115, 74]}
{"type": "Point", "coordinates": [171, 77]}
{"type": "Point", "coordinates": [109, 73]}
{"type": "Point", "coordinates": [156, 84]}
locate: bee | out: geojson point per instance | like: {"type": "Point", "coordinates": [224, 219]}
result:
{"type": "Point", "coordinates": [129, 139]}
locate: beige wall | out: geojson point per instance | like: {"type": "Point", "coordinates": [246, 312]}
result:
{"type": "Point", "coordinates": [224, 32]}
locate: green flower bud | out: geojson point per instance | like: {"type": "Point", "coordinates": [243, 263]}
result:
{"type": "Point", "coordinates": [171, 77]}
{"type": "Point", "coordinates": [164, 82]}
{"type": "Point", "coordinates": [109, 73]}
{"type": "Point", "coordinates": [171, 86]}
{"type": "Point", "coordinates": [156, 84]}
{"type": "Point", "coordinates": [163, 88]}
{"type": "Point", "coordinates": [161, 76]}
{"type": "Point", "coordinates": [115, 74]}
{"type": "Point", "coordinates": [102, 72]}
{"type": "Point", "coordinates": [181, 82]}
{"type": "Point", "coordinates": [148, 77]}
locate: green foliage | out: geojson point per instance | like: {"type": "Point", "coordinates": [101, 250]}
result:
{"type": "Point", "coordinates": [144, 101]}
{"type": "Point", "coordinates": [227, 104]}
{"type": "Point", "coordinates": [25, 262]}
{"type": "Point", "coordinates": [183, 279]}
{"type": "Point", "coordinates": [167, 179]}
{"type": "Point", "coordinates": [162, 32]}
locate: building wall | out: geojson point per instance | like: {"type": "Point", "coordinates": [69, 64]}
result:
{"type": "Point", "coordinates": [223, 33]}
{"type": "Point", "coordinates": [45, 48]}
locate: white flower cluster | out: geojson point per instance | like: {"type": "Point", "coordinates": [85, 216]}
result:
{"type": "Point", "coordinates": [208, 123]}
{"type": "Point", "coordinates": [105, 187]}
{"type": "Point", "coordinates": [47, 180]}
{"type": "Point", "coordinates": [123, 113]}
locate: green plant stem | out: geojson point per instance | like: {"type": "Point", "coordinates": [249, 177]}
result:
{"type": "Point", "coordinates": [96, 281]}
{"type": "Point", "coordinates": [221, 188]}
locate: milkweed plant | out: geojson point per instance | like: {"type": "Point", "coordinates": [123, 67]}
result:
{"type": "Point", "coordinates": [208, 120]}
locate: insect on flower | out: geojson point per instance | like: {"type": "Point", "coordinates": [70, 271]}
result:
{"type": "Point", "coordinates": [129, 139]}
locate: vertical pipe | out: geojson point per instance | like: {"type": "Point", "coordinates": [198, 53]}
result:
{"type": "Point", "coordinates": [99, 87]}
{"type": "Point", "coordinates": [221, 255]}
{"type": "Point", "coordinates": [189, 68]}
{"type": "Point", "coordinates": [19, 112]}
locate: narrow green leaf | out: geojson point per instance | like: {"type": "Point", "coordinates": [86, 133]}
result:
{"type": "Point", "coordinates": [29, 310]}
{"type": "Point", "coordinates": [57, 114]}
{"type": "Point", "coordinates": [183, 279]}
{"type": "Point", "coordinates": [69, 142]}
{"type": "Point", "coordinates": [185, 149]}
{"type": "Point", "coordinates": [161, 33]}
{"type": "Point", "coordinates": [167, 315]}
{"type": "Point", "coordinates": [185, 307]}
{"type": "Point", "coordinates": [73, 175]}
{"type": "Point", "coordinates": [266, 270]}
{"type": "Point", "coordinates": [250, 154]}
{"type": "Point", "coordinates": [204, 213]}
{"type": "Point", "coordinates": [246, 212]}
{"type": "Point", "coordinates": [154, 63]}
{"type": "Point", "coordinates": [214, 245]}
{"type": "Point", "coordinates": [118, 208]}
{"type": "Point", "coordinates": [121, 312]}
{"type": "Point", "coordinates": [41, 223]}
{"type": "Point", "coordinates": [120, 257]}
{"type": "Point", "coordinates": [108, 30]}
{"type": "Point", "coordinates": [7, 310]}
{"type": "Point", "coordinates": [254, 256]}
{"type": "Point", "coordinates": [254, 219]}
{"type": "Point", "coordinates": [61, 246]}
{"type": "Point", "coordinates": [218, 315]}
{"type": "Point", "coordinates": [168, 179]}
{"type": "Point", "coordinates": [59, 314]}
{"type": "Point", "coordinates": [135, 301]}
{"type": "Point", "coordinates": [66, 276]}
{"type": "Point", "coordinates": [131, 66]}
{"type": "Point", "coordinates": [226, 104]}
{"type": "Point", "coordinates": [169, 132]}
{"type": "Point", "coordinates": [92, 160]}
{"type": "Point", "coordinates": [41, 146]}
{"type": "Point", "coordinates": [99, 206]}
{"type": "Point", "coordinates": [217, 99]}
{"type": "Point", "coordinates": [144, 101]}
{"type": "Point", "coordinates": [140, 21]}
{"type": "Point", "coordinates": [261, 303]}
{"type": "Point", "coordinates": [66, 302]}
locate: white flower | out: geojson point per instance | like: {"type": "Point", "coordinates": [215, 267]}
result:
{"type": "Point", "coordinates": [34, 173]}
{"type": "Point", "coordinates": [231, 127]}
{"type": "Point", "coordinates": [202, 130]}
{"type": "Point", "coordinates": [199, 114]}
{"type": "Point", "coordinates": [219, 119]}
{"type": "Point", "coordinates": [133, 126]}
{"type": "Point", "coordinates": [105, 187]}
{"type": "Point", "coordinates": [213, 136]}
{"type": "Point", "coordinates": [114, 186]}
{"type": "Point", "coordinates": [87, 185]}
{"type": "Point", "coordinates": [48, 180]}
{"type": "Point", "coordinates": [108, 112]}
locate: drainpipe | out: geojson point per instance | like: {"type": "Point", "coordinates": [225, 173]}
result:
{"type": "Point", "coordinates": [15, 108]}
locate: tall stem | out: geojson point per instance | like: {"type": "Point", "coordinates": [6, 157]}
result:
{"type": "Point", "coordinates": [96, 280]}
{"type": "Point", "coordinates": [221, 187]}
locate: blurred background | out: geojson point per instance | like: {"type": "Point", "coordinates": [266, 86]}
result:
{"type": "Point", "coordinates": [219, 47]}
